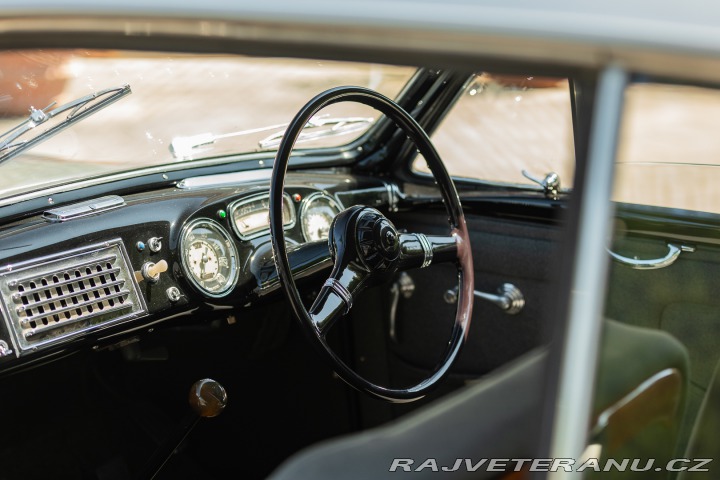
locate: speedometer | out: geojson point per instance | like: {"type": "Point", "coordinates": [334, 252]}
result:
{"type": "Point", "coordinates": [316, 215]}
{"type": "Point", "coordinates": [209, 257]}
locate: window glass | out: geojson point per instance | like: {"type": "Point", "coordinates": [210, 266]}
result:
{"type": "Point", "coordinates": [659, 360]}
{"type": "Point", "coordinates": [669, 151]}
{"type": "Point", "coordinates": [502, 125]}
{"type": "Point", "coordinates": [182, 107]}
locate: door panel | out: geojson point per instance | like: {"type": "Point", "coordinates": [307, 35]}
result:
{"type": "Point", "coordinates": [680, 299]}
{"type": "Point", "coordinates": [505, 250]}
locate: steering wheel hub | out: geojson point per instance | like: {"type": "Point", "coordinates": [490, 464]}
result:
{"type": "Point", "coordinates": [377, 239]}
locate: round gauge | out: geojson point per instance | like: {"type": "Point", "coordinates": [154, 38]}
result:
{"type": "Point", "coordinates": [209, 257]}
{"type": "Point", "coordinates": [316, 215]}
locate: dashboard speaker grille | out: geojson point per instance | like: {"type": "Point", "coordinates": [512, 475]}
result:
{"type": "Point", "coordinates": [64, 296]}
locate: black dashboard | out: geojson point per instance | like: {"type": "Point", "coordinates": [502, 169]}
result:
{"type": "Point", "coordinates": [92, 272]}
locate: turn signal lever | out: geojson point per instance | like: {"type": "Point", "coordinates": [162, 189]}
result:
{"type": "Point", "coordinates": [207, 399]}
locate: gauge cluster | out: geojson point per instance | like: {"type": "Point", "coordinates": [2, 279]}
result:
{"type": "Point", "coordinates": [222, 250]}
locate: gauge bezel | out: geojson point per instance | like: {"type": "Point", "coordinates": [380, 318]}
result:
{"type": "Point", "coordinates": [231, 281]}
{"type": "Point", "coordinates": [265, 231]}
{"type": "Point", "coordinates": [305, 205]}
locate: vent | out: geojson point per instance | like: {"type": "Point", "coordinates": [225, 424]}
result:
{"type": "Point", "coordinates": [67, 295]}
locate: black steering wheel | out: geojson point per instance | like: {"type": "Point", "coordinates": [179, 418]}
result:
{"type": "Point", "coordinates": [366, 247]}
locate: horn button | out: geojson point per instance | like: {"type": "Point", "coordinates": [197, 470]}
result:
{"type": "Point", "coordinates": [378, 241]}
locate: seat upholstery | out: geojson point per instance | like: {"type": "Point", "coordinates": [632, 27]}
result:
{"type": "Point", "coordinates": [499, 417]}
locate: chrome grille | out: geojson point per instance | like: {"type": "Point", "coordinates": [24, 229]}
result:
{"type": "Point", "coordinates": [59, 298]}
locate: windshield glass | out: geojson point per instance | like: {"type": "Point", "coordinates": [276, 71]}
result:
{"type": "Point", "coordinates": [181, 108]}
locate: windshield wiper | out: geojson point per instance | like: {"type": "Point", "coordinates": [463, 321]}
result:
{"type": "Point", "coordinates": [317, 127]}
{"type": "Point", "coordinates": [80, 108]}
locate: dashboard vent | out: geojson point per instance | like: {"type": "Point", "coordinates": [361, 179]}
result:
{"type": "Point", "coordinates": [69, 294]}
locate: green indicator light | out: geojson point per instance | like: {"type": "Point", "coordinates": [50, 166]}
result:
{"type": "Point", "coordinates": [221, 214]}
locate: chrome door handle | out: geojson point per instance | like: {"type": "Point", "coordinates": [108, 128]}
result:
{"type": "Point", "coordinates": [672, 255]}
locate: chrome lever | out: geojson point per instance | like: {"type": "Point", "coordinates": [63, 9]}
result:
{"type": "Point", "coordinates": [673, 253]}
{"type": "Point", "coordinates": [403, 286]}
{"type": "Point", "coordinates": [550, 184]}
{"type": "Point", "coordinates": [509, 299]}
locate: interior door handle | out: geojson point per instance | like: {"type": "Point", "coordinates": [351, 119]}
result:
{"type": "Point", "coordinates": [672, 255]}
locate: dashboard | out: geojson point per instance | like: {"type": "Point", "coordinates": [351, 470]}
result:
{"type": "Point", "coordinates": [95, 271]}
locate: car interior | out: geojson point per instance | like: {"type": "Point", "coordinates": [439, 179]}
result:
{"type": "Point", "coordinates": [317, 310]}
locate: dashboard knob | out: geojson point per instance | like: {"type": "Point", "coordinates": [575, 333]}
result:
{"type": "Point", "coordinates": [151, 271]}
{"type": "Point", "coordinates": [208, 398]}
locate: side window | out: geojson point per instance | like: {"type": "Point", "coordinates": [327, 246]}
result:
{"type": "Point", "coordinates": [502, 125]}
{"type": "Point", "coordinates": [669, 148]}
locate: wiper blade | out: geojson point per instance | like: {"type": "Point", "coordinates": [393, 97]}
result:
{"type": "Point", "coordinates": [317, 127]}
{"type": "Point", "coordinates": [79, 108]}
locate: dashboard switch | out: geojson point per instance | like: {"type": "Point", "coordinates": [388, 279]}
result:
{"type": "Point", "coordinates": [173, 294]}
{"type": "Point", "coordinates": [151, 271]}
{"type": "Point", "coordinates": [155, 244]}
{"type": "Point", "coordinates": [5, 349]}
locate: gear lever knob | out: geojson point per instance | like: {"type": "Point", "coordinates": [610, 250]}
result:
{"type": "Point", "coordinates": [208, 398]}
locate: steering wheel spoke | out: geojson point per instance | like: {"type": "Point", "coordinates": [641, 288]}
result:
{"type": "Point", "coordinates": [418, 250]}
{"type": "Point", "coordinates": [336, 297]}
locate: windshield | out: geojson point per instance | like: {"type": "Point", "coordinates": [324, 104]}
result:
{"type": "Point", "coordinates": [182, 108]}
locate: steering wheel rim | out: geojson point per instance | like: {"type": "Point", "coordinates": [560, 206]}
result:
{"type": "Point", "coordinates": [456, 220]}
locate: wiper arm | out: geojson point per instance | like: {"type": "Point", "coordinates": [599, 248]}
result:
{"type": "Point", "coordinates": [317, 127]}
{"type": "Point", "coordinates": [80, 108]}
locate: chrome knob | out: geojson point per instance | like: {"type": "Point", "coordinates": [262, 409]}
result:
{"type": "Point", "coordinates": [155, 244]}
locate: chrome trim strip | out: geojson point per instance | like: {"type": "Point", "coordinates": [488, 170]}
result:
{"type": "Point", "coordinates": [82, 209]}
{"type": "Point", "coordinates": [427, 249]}
{"type": "Point", "coordinates": [589, 277]}
{"type": "Point", "coordinates": [339, 289]}
{"type": "Point", "coordinates": [224, 179]}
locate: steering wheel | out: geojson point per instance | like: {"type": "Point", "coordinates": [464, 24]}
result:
{"type": "Point", "coordinates": [366, 248]}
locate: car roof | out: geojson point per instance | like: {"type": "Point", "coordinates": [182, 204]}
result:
{"type": "Point", "coordinates": [658, 37]}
